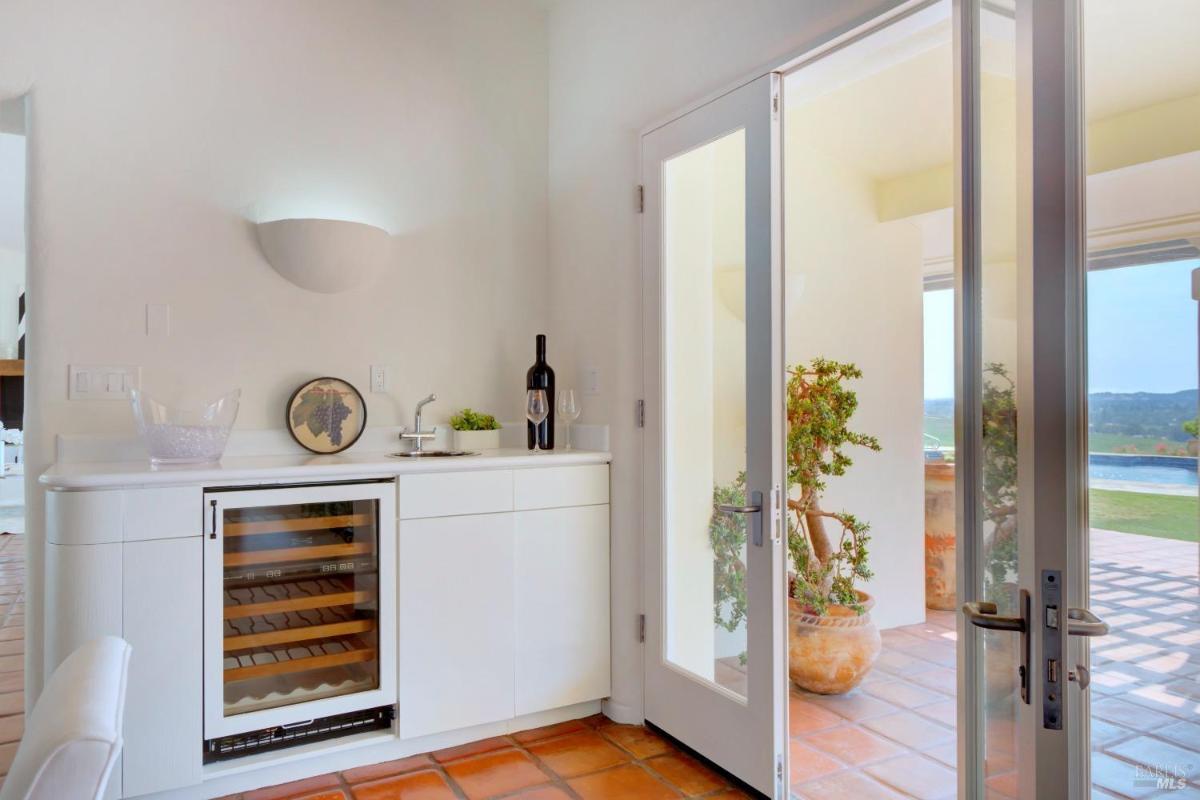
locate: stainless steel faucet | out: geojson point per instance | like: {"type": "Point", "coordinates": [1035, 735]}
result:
{"type": "Point", "coordinates": [418, 435]}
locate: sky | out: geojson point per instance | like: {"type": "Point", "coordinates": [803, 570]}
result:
{"type": "Point", "coordinates": [1142, 331]}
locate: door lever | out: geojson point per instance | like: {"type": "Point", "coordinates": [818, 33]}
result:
{"type": "Point", "coordinates": [1082, 622]}
{"type": "Point", "coordinates": [983, 614]}
{"type": "Point", "coordinates": [755, 508]}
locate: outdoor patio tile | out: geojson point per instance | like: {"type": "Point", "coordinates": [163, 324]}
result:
{"type": "Point", "coordinates": [1129, 652]}
{"type": "Point", "coordinates": [945, 712]}
{"type": "Point", "coordinates": [808, 764]}
{"type": "Point", "coordinates": [1104, 733]}
{"type": "Point", "coordinates": [901, 664]}
{"type": "Point", "coordinates": [934, 652]}
{"type": "Point", "coordinates": [423, 785]}
{"type": "Point", "coordinates": [910, 730]}
{"type": "Point", "coordinates": [940, 679]}
{"type": "Point", "coordinates": [495, 773]}
{"type": "Point", "coordinates": [916, 776]}
{"type": "Point", "coordinates": [1177, 662]}
{"type": "Point", "coordinates": [852, 744]}
{"type": "Point", "coordinates": [1120, 777]}
{"type": "Point", "coordinates": [903, 694]}
{"type": "Point", "coordinates": [1156, 753]}
{"type": "Point", "coordinates": [686, 774]}
{"type": "Point", "coordinates": [846, 786]}
{"type": "Point", "coordinates": [854, 706]}
{"type": "Point", "coordinates": [1190, 637]}
{"type": "Point", "coordinates": [1156, 697]}
{"type": "Point", "coordinates": [626, 781]}
{"type": "Point", "coordinates": [639, 741]}
{"type": "Point", "coordinates": [1132, 715]}
{"type": "Point", "coordinates": [945, 753]}
{"type": "Point", "coordinates": [806, 717]}
{"type": "Point", "coordinates": [1185, 734]}
{"type": "Point", "coordinates": [578, 754]}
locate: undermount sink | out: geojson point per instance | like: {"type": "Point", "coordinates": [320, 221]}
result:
{"type": "Point", "coordinates": [432, 454]}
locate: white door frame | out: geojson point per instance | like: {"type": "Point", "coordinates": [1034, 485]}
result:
{"type": "Point", "coordinates": [747, 736]}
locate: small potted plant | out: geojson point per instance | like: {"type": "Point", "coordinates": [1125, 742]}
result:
{"type": "Point", "coordinates": [475, 431]}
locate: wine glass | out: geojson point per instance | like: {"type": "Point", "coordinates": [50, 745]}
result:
{"type": "Point", "coordinates": [537, 408]}
{"type": "Point", "coordinates": [568, 412]}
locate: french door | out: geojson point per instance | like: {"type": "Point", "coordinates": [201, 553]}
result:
{"type": "Point", "coordinates": [714, 558]}
{"type": "Point", "coordinates": [1022, 462]}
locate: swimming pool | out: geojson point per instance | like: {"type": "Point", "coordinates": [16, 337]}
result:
{"type": "Point", "coordinates": [1143, 469]}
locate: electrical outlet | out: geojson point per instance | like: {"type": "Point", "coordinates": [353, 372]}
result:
{"type": "Point", "coordinates": [379, 381]}
{"type": "Point", "coordinates": [101, 382]}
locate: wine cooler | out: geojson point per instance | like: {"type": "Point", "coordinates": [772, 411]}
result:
{"type": "Point", "coordinates": [299, 611]}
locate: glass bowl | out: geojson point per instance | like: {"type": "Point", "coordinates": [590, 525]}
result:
{"type": "Point", "coordinates": [194, 434]}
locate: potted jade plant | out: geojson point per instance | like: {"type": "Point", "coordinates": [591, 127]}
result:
{"type": "Point", "coordinates": [832, 641]}
{"type": "Point", "coordinates": [475, 431]}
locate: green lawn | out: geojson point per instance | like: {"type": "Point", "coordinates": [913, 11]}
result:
{"type": "Point", "coordinates": [1165, 516]}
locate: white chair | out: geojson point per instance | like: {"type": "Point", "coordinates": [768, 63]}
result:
{"type": "Point", "coordinates": [73, 737]}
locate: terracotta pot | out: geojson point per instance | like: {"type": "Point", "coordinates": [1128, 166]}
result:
{"type": "Point", "coordinates": [940, 574]}
{"type": "Point", "coordinates": [832, 653]}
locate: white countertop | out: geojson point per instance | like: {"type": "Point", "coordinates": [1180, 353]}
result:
{"type": "Point", "coordinates": [298, 468]}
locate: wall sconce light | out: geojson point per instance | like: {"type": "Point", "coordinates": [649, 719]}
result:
{"type": "Point", "coordinates": [324, 255]}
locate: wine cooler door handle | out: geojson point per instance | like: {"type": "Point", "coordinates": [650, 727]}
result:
{"type": "Point", "coordinates": [212, 532]}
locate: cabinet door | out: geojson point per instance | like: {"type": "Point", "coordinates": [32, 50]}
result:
{"type": "Point", "coordinates": [164, 625]}
{"type": "Point", "coordinates": [562, 607]}
{"type": "Point", "coordinates": [456, 622]}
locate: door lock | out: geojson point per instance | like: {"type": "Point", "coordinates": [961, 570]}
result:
{"type": "Point", "coordinates": [1081, 675]}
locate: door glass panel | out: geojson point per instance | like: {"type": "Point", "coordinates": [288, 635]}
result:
{"type": "Point", "coordinates": [997, 482]}
{"type": "Point", "coordinates": [704, 335]}
{"type": "Point", "coordinates": [1142, 101]}
{"type": "Point", "coordinates": [301, 603]}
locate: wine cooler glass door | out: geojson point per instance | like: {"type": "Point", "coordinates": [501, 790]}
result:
{"type": "Point", "coordinates": [299, 605]}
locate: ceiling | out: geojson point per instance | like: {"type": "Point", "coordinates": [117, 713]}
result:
{"type": "Point", "coordinates": [886, 103]}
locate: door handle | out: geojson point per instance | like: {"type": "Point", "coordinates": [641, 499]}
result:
{"type": "Point", "coordinates": [1081, 676]}
{"type": "Point", "coordinates": [984, 615]}
{"type": "Point", "coordinates": [755, 508]}
{"type": "Point", "coordinates": [1082, 622]}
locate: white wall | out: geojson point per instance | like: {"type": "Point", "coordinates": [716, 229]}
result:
{"type": "Point", "coordinates": [12, 237]}
{"type": "Point", "coordinates": [158, 128]}
{"type": "Point", "coordinates": [615, 68]}
{"type": "Point", "coordinates": [858, 298]}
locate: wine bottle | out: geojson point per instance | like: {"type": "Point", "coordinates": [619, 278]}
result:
{"type": "Point", "coordinates": [540, 376]}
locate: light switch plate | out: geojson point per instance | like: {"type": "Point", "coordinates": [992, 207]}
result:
{"type": "Point", "coordinates": [591, 380]}
{"type": "Point", "coordinates": [379, 378]}
{"type": "Point", "coordinates": [102, 382]}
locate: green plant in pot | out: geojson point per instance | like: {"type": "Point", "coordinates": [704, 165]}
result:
{"type": "Point", "coordinates": [475, 431]}
{"type": "Point", "coordinates": [833, 642]}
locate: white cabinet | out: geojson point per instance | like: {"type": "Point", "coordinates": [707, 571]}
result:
{"type": "Point", "coordinates": [163, 623]}
{"type": "Point", "coordinates": [456, 622]}
{"type": "Point", "coordinates": [562, 607]}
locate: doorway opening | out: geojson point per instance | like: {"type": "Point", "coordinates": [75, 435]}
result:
{"type": "Point", "coordinates": [12, 315]}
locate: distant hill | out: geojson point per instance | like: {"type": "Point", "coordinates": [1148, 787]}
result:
{"type": "Point", "coordinates": [1142, 413]}
{"type": "Point", "coordinates": [1148, 414]}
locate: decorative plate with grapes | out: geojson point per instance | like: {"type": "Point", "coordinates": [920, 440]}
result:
{"type": "Point", "coordinates": [326, 415]}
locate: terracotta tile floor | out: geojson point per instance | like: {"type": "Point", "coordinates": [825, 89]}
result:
{"type": "Point", "coordinates": [591, 759]}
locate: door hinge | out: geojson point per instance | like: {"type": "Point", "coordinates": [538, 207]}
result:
{"type": "Point", "coordinates": [641, 198]}
{"type": "Point", "coordinates": [641, 627]}
{"type": "Point", "coordinates": [639, 413]}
